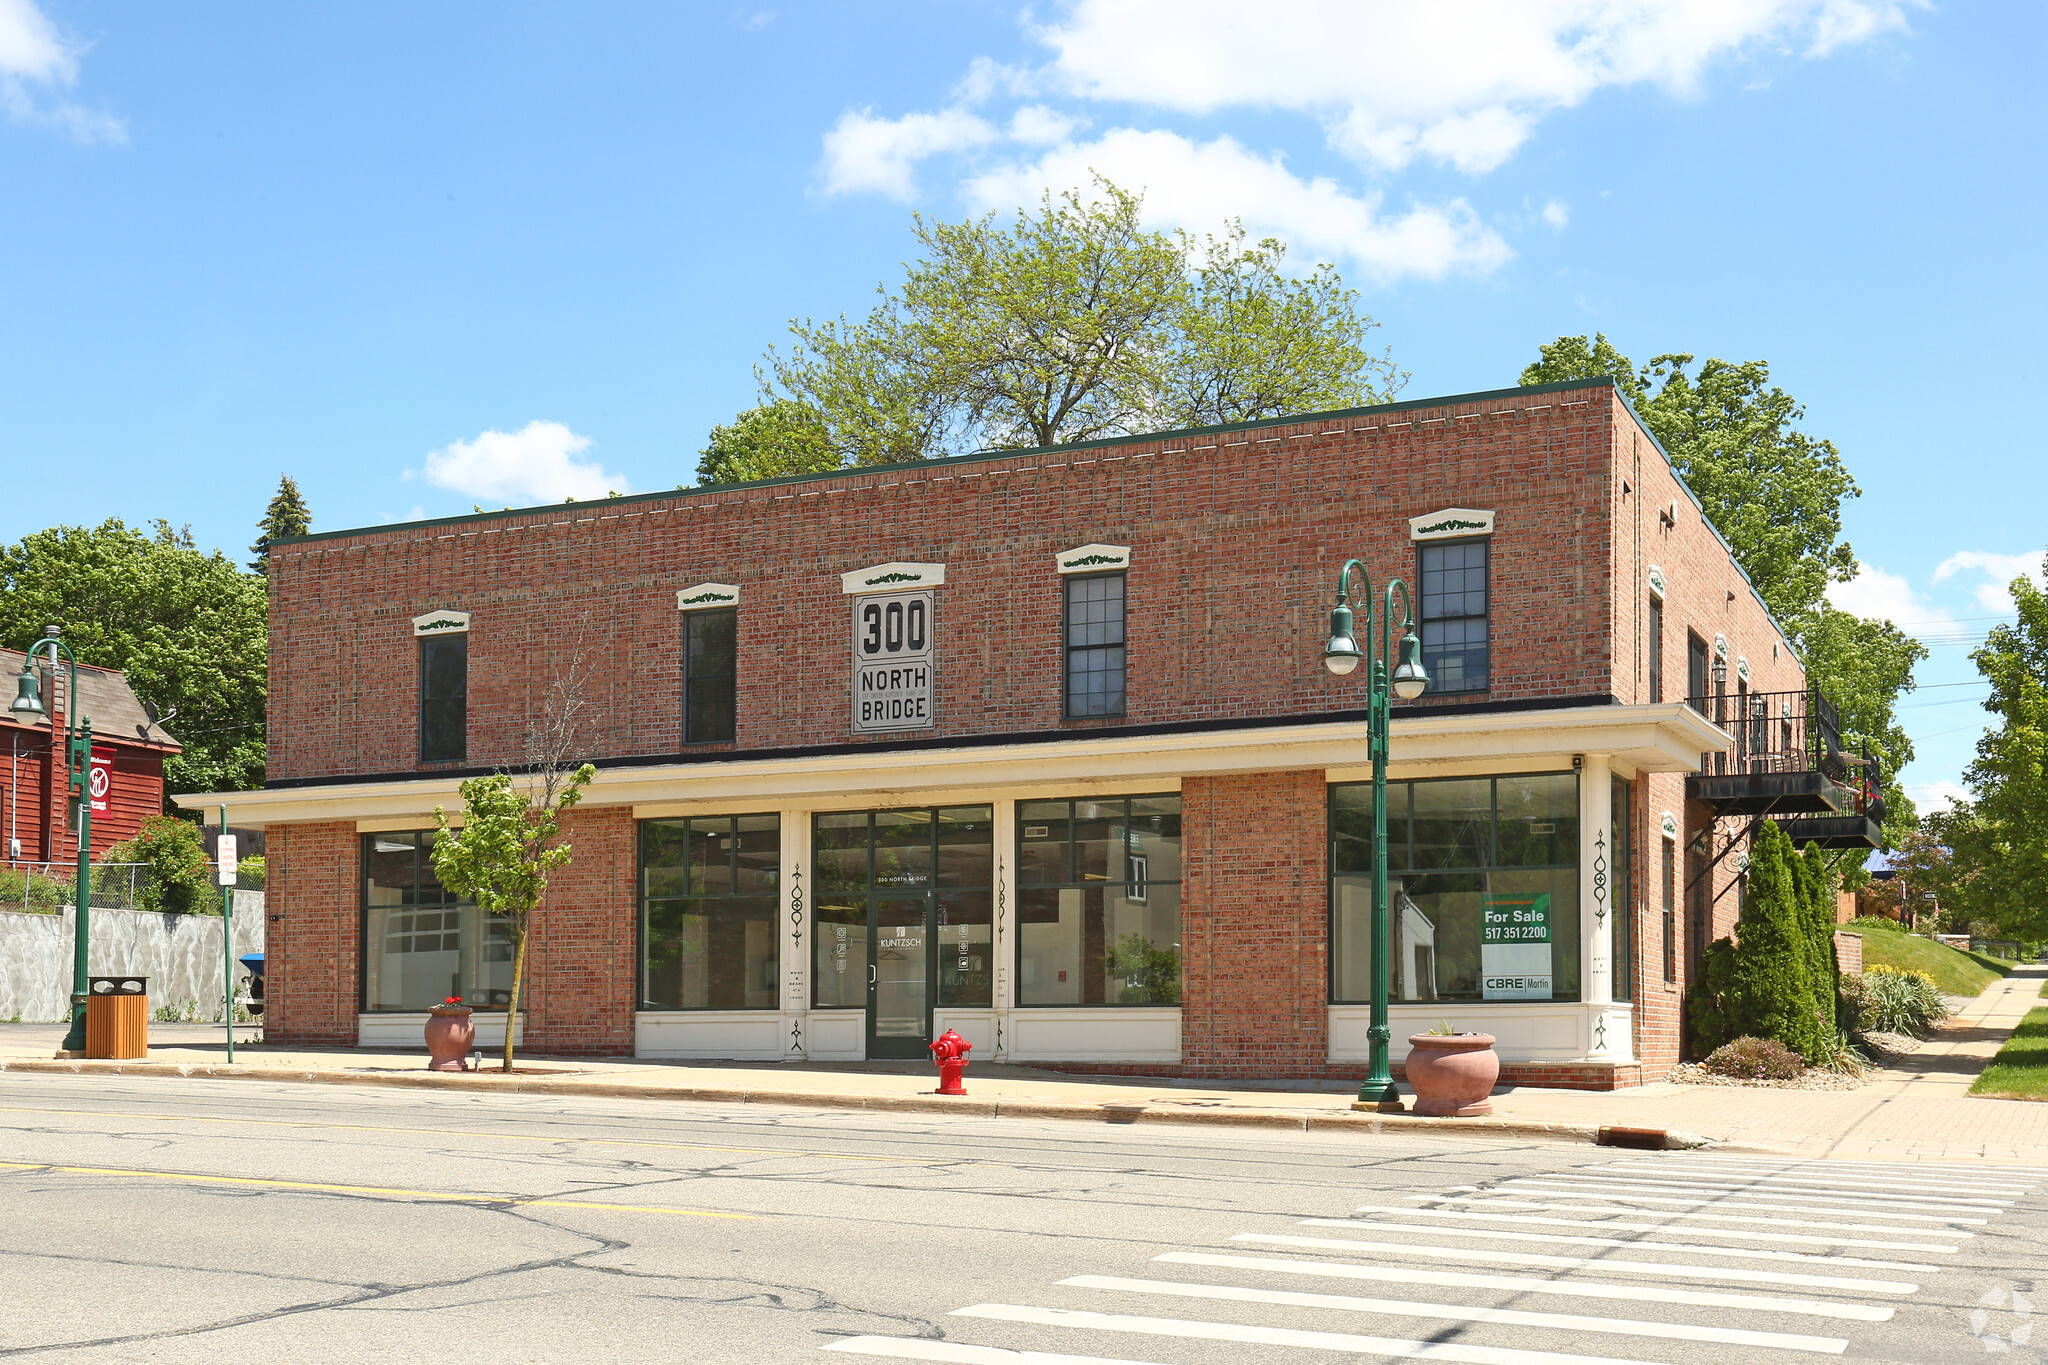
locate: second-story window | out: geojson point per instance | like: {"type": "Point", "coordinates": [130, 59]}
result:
{"type": "Point", "coordinates": [444, 698]}
{"type": "Point", "coordinates": [1656, 647]}
{"type": "Point", "coordinates": [710, 674]}
{"type": "Point", "coordinates": [1454, 616]}
{"type": "Point", "coordinates": [1095, 645]}
{"type": "Point", "coordinates": [1696, 672]}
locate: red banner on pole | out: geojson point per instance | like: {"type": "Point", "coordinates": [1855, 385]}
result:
{"type": "Point", "coordinates": [102, 778]}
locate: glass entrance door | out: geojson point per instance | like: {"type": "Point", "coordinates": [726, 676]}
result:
{"type": "Point", "coordinates": [891, 886]}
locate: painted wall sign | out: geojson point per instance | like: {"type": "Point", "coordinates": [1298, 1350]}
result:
{"type": "Point", "coordinates": [894, 687]}
{"type": "Point", "coordinates": [892, 577]}
{"type": "Point", "coordinates": [708, 595]}
{"type": "Point", "coordinates": [1452, 521]}
{"type": "Point", "coordinates": [1094, 559]}
{"type": "Point", "coordinates": [441, 623]}
{"type": "Point", "coordinates": [1514, 947]}
{"type": "Point", "coordinates": [1656, 580]}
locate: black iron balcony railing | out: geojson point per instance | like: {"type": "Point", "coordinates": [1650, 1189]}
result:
{"type": "Point", "coordinates": [1786, 757]}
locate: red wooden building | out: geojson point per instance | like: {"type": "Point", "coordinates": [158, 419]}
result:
{"type": "Point", "coordinates": [34, 824]}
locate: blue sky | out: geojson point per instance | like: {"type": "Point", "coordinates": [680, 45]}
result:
{"type": "Point", "coordinates": [422, 257]}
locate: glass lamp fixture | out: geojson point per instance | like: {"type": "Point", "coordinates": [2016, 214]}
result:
{"type": "Point", "coordinates": [1341, 655]}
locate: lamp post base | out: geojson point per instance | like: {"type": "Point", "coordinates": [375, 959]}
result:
{"type": "Point", "coordinates": [1382, 1098]}
{"type": "Point", "coordinates": [67, 1055]}
{"type": "Point", "coordinates": [74, 1041]}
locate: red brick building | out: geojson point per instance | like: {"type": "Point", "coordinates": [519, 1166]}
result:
{"type": "Point", "coordinates": [35, 792]}
{"type": "Point", "coordinates": [1039, 745]}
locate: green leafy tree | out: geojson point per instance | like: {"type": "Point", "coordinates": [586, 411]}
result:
{"type": "Point", "coordinates": [2000, 838]}
{"type": "Point", "coordinates": [510, 838]}
{"type": "Point", "coordinates": [189, 629]}
{"type": "Point", "coordinates": [1075, 322]}
{"type": "Point", "coordinates": [287, 515]}
{"type": "Point", "coordinates": [1864, 666]}
{"type": "Point", "coordinates": [175, 851]}
{"type": "Point", "coordinates": [772, 441]}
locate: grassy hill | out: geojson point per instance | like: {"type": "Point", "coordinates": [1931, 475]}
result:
{"type": "Point", "coordinates": [1955, 972]}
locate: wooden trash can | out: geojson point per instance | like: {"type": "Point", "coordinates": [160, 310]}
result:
{"type": "Point", "coordinates": [117, 1017]}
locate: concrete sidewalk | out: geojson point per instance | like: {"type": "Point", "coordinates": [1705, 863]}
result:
{"type": "Point", "coordinates": [1917, 1110]}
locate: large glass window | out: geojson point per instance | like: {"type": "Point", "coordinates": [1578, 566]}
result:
{"type": "Point", "coordinates": [1098, 901]}
{"type": "Point", "coordinates": [1482, 889]}
{"type": "Point", "coordinates": [444, 698]}
{"type": "Point", "coordinates": [421, 942]}
{"type": "Point", "coordinates": [1095, 644]}
{"type": "Point", "coordinates": [710, 674]}
{"type": "Point", "coordinates": [910, 873]}
{"type": "Point", "coordinates": [708, 922]}
{"type": "Point", "coordinates": [1453, 615]}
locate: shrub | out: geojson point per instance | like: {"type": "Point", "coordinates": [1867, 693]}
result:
{"type": "Point", "coordinates": [21, 889]}
{"type": "Point", "coordinates": [1706, 1000]}
{"type": "Point", "coordinates": [1756, 1059]}
{"type": "Point", "coordinates": [1876, 922]}
{"type": "Point", "coordinates": [249, 873]}
{"type": "Point", "coordinates": [1771, 989]}
{"type": "Point", "coordinates": [175, 849]}
{"type": "Point", "coordinates": [1896, 1000]}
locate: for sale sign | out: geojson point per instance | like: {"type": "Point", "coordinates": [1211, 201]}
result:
{"type": "Point", "coordinates": [1514, 947]}
{"type": "Point", "coordinates": [893, 685]}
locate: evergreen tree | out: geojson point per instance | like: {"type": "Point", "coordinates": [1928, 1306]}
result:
{"type": "Point", "coordinates": [1706, 1000]}
{"type": "Point", "coordinates": [287, 515]}
{"type": "Point", "coordinates": [1823, 971]}
{"type": "Point", "coordinates": [1770, 991]}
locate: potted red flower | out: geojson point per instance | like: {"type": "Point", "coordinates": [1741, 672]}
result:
{"type": "Point", "coordinates": [450, 1035]}
{"type": "Point", "coordinates": [1452, 1073]}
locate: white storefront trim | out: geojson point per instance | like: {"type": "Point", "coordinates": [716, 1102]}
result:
{"type": "Point", "coordinates": [1118, 1034]}
{"type": "Point", "coordinates": [1525, 1031]}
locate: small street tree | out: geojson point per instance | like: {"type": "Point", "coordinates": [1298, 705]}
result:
{"type": "Point", "coordinates": [510, 838]}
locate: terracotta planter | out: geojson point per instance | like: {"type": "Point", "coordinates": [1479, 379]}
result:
{"type": "Point", "coordinates": [1452, 1075]}
{"type": "Point", "coordinates": [450, 1035]}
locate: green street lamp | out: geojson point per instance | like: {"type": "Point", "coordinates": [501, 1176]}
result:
{"type": "Point", "coordinates": [1407, 682]}
{"type": "Point", "coordinates": [28, 708]}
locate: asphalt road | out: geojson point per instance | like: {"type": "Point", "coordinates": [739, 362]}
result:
{"type": "Point", "coordinates": [218, 1222]}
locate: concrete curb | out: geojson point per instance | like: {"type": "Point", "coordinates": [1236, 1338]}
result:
{"type": "Point", "coordinates": [1284, 1119]}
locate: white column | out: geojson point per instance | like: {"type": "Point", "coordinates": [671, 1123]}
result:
{"type": "Point", "coordinates": [797, 926]}
{"type": "Point", "coordinates": [1003, 942]}
{"type": "Point", "coordinates": [1596, 881]}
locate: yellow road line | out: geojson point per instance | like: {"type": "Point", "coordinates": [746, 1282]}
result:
{"type": "Point", "coordinates": [369, 1190]}
{"type": "Point", "coordinates": [503, 1137]}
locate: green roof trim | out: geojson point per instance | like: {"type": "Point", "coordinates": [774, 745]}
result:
{"type": "Point", "coordinates": [979, 457]}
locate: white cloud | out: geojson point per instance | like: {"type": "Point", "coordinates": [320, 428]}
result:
{"type": "Point", "coordinates": [1198, 185]}
{"type": "Point", "coordinates": [1885, 597]}
{"type": "Point", "coordinates": [1557, 213]}
{"type": "Point", "coordinates": [34, 54]}
{"type": "Point", "coordinates": [1035, 125]}
{"type": "Point", "coordinates": [533, 465]}
{"type": "Point", "coordinates": [1461, 81]}
{"type": "Point", "coordinates": [1928, 797]}
{"type": "Point", "coordinates": [863, 152]}
{"type": "Point", "coordinates": [1993, 594]}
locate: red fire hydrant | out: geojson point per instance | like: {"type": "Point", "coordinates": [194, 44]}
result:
{"type": "Point", "coordinates": [950, 1052]}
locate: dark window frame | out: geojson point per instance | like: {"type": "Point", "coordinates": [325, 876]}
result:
{"type": "Point", "coordinates": [422, 854]}
{"type": "Point", "coordinates": [1422, 549]}
{"type": "Point", "coordinates": [700, 618]}
{"type": "Point", "coordinates": [642, 902]}
{"type": "Point", "coordinates": [1068, 649]}
{"type": "Point", "coordinates": [1669, 877]}
{"type": "Point", "coordinates": [1656, 631]}
{"type": "Point", "coordinates": [1699, 670]}
{"type": "Point", "coordinates": [428, 644]}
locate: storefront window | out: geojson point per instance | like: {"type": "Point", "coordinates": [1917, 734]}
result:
{"type": "Point", "coordinates": [708, 922]}
{"type": "Point", "coordinates": [422, 943]}
{"type": "Point", "coordinates": [919, 877]}
{"type": "Point", "coordinates": [1482, 889]}
{"type": "Point", "coordinates": [1098, 901]}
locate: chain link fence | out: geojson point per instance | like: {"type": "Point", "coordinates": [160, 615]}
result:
{"type": "Point", "coordinates": [51, 888]}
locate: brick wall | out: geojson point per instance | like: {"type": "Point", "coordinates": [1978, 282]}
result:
{"type": "Point", "coordinates": [580, 973]}
{"type": "Point", "coordinates": [311, 942]}
{"type": "Point", "coordinates": [1236, 537]}
{"type": "Point", "coordinates": [1254, 928]}
{"type": "Point", "coordinates": [1849, 952]}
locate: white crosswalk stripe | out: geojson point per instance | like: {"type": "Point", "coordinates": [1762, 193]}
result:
{"type": "Point", "coordinates": [1707, 1264]}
